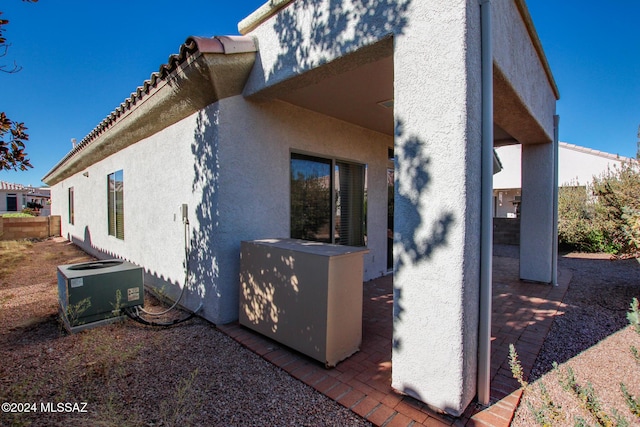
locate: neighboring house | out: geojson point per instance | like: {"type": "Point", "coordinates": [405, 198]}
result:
{"type": "Point", "coordinates": [230, 130]}
{"type": "Point", "coordinates": [15, 197]}
{"type": "Point", "coordinates": [576, 167]}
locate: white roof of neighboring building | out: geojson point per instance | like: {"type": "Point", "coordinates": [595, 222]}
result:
{"type": "Point", "coordinates": [42, 192]}
{"type": "Point", "coordinates": [576, 165]}
{"type": "Point", "coordinates": [598, 153]}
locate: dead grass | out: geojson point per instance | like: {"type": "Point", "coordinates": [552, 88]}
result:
{"type": "Point", "coordinates": [12, 253]}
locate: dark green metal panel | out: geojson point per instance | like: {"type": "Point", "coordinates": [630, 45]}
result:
{"type": "Point", "coordinates": [95, 291]}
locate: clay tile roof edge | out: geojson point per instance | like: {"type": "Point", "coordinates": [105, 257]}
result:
{"type": "Point", "coordinates": [4, 185]}
{"type": "Point", "coordinates": [193, 47]}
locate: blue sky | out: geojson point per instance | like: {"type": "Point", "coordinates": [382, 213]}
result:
{"type": "Point", "coordinates": [82, 58]}
{"type": "Point", "coordinates": [594, 52]}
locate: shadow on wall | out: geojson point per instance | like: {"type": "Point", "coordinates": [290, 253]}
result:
{"type": "Point", "coordinates": [312, 34]}
{"type": "Point", "coordinates": [412, 179]}
{"type": "Point", "coordinates": [336, 30]}
{"type": "Point", "coordinates": [204, 253]}
{"type": "Point", "coordinates": [87, 245]}
{"type": "Point", "coordinates": [309, 35]}
{"type": "Point", "coordinates": [162, 285]}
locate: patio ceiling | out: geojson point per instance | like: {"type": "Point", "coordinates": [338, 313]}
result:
{"type": "Point", "coordinates": [353, 96]}
{"type": "Point", "coordinates": [357, 96]}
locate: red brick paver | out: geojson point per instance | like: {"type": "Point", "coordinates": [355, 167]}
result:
{"type": "Point", "coordinates": [522, 315]}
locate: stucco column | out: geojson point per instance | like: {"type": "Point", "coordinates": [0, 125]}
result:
{"type": "Point", "coordinates": [536, 217]}
{"type": "Point", "coordinates": [437, 205]}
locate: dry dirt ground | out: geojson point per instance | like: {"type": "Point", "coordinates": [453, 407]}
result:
{"type": "Point", "coordinates": [130, 374]}
{"type": "Point", "coordinates": [192, 374]}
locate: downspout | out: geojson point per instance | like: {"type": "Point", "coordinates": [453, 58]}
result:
{"type": "Point", "coordinates": [554, 248]}
{"type": "Point", "coordinates": [486, 239]}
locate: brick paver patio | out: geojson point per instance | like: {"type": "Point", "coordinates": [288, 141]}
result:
{"type": "Point", "coordinates": [522, 315]}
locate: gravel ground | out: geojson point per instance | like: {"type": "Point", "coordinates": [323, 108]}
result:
{"type": "Point", "coordinates": [592, 337]}
{"type": "Point", "coordinates": [595, 306]}
{"type": "Point", "coordinates": [129, 374]}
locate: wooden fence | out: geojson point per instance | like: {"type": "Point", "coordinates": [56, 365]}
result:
{"type": "Point", "coordinates": [38, 227]}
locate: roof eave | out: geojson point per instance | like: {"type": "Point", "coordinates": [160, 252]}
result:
{"type": "Point", "coordinates": [218, 68]}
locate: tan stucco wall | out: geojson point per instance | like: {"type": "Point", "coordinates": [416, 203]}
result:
{"type": "Point", "coordinates": [436, 50]}
{"type": "Point", "coordinates": [230, 164]}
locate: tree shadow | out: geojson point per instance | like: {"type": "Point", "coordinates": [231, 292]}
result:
{"type": "Point", "coordinates": [594, 307]}
{"type": "Point", "coordinates": [204, 253]}
{"type": "Point", "coordinates": [331, 32]}
{"type": "Point", "coordinates": [311, 34]}
{"type": "Point", "coordinates": [278, 301]}
{"type": "Point", "coordinates": [316, 40]}
{"type": "Point", "coordinates": [335, 30]}
{"type": "Point", "coordinates": [412, 179]}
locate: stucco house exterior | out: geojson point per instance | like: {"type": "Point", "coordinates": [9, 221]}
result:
{"type": "Point", "coordinates": [577, 166]}
{"type": "Point", "coordinates": [423, 88]}
{"type": "Point", "coordinates": [13, 197]}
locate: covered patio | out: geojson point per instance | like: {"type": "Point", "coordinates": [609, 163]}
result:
{"type": "Point", "coordinates": [440, 87]}
{"type": "Point", "coordinates": [522, 315]}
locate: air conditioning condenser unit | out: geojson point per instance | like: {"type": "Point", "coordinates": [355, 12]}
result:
{"type": "Point", "coordinates": [96, 292]}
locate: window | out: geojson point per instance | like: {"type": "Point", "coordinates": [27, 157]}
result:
{"type": "Point", "coordinates": [327, 200]}
{"type": "Point", "coordinates": [71, 210]}
{"type": "Point", "coordinates": [115, 204]}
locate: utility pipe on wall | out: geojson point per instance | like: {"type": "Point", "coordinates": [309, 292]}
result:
{"type": "Point", "coordinates": [486, 242]}
{"type": "Point", "coordinates": [554, 248]}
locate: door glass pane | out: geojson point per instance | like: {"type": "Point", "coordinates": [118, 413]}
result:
{"type": "Point", "coordinates": [350, 206]}
{"type": "Point", "coordinates": [310, 198]}
{"type": "Point", "coordinates": [390, 204]}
